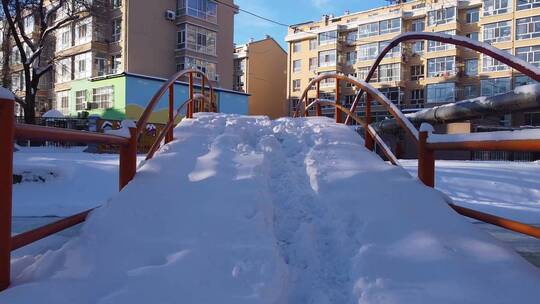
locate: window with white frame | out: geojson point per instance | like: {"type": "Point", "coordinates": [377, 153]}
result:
{"type": "Point", "coordinates": [417, 72]}
{"type": "Point", "coordinates": [434, 46]}
{"type": "Point", "coordinates": [496, 7]}
{"type": "Point", "coordinates": [527, 4]}
{"type": "Point", "coordinates": [442, 16]}
{"type": "Point", "coordinates": [83, 31]}
{"type": "Point", "coordinates": [351, 37]}
{"type": "Point", "coordinates": [418, 25]}
{"type": "Point", "coordinates": [296, 85]}
{"type": "Point", "coordinates": [393, 94]}
{"type": "Point", "coordinates": [327, 58]}
{"type": "Point", "coordinates": [83, 65]}
{"type": "Point", "coordinates": [368, 30]}
{"type": "Point", "coordinates": [116, 63]}
{"type": "Point", "coordinates": [527, 28]}
{"type": "Point", "coordinates": [313, 63]}
{"type": "Point", "coordinates": [329, 82]}
{"type": "Point", "coordinates": [417, 97]}
{"type": "Point", "coordinates": [394, 52]}
{"type": "Point", "coordinates": [209, 68]}
{"type": "Point", "coordinates": [472, 15]}
{"type": "Point", "coordinates": [63, 70]}
{"type": "Point", "coordinates": [473, 36]}
{"type": "Point", "coordinates": [328, 38]}
{"type": "Point", "coordinates": [471, 67]}
{"type": "Point", "coordinates": [490, 64]}
{"type": "Point", "coordinates": [441, 92]}
{"type": "Point", "coordinates": [312, 44]}
{"type": "Point", "coordinates": [116, 29]}
{"type": "Point", "coordinates": [531, 54]}
{"type": "Point", "coordinates": [200, 39]}
{"type": "Point", "coordinates": [364, 71]}
{"type": "Point", "coordinates": [103, 97]}
{"type": "Point", "coordinates": [368, 51]}
{"type": "Point", "coordinates": [101, 66]}
{"type": "Point", "coordinates": [442, 66]}
{"type": "Point", "coordinates": [297, 47]}
{"type": "Point", "coordinates": [297, 65]}
{"type": "Point", "coordinates": [470, 91]}
{"type": "Point", "coordinates": [350, 57]}
{"type": "Point", "coordinates": [497, 32]}
{"type": "Point", "coordinates": [63, 38]}
{"type": "Point", "coordinates": [80, 100]}
{"type": "Point", "coordinates": [390, 72]}
{"type": "Point", "coordinates": [62, 102]}
{"type": "Point", "coordinates": [389, 26]}
{"type": "Point", "coordinates": [495, 86]}
{"type": "Point", "coordinates": [202, 9]}
{"type": "Point", "coordinates": [417, 47]}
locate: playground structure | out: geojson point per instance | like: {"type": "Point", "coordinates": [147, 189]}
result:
{"type": "Point", "coordinates": [200, 102]}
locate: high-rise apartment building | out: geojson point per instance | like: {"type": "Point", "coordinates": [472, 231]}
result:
{"type": "Point", "coordinates": [420, 73]}
{"type": "Point", "coordinates": [99, 55]}
{"type": "Point", "coordinates": [260, 69]}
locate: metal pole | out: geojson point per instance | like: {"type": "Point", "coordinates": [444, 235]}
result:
{"type": "Point", "coordinates": [128, 159]}
{"type": "Point", "coordinates": [426, 161]}
{"type": "Point", "coordinates": [369, 141]}
{"type": "Point", "coordinates": [7, 131]}
{"type": "Point", "coordinates": [169, 136]}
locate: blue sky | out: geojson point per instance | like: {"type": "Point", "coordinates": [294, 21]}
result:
{"type": "Point", "coordinates": [289, 12]}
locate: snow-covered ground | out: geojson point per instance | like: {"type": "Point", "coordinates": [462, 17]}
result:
{"type": "Point", "coordinates": [248, 210]}
{"type": "Point", "coordinates": [507, 189]}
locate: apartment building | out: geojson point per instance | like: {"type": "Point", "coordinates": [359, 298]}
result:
{"type": "Point", "coordinates": [100, 55]}
{"type": "Point", "coordinates": [418, 74]}
{"type": "Point", "coordinates": [260, 69]}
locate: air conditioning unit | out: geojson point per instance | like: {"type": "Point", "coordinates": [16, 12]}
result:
{"type": "Point", "coordinates": [170, 15]}
{"type": "Point", "coordinates": [92, 105]}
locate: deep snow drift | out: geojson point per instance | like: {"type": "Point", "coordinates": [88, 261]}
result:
{"type": "Point", "coordinates": [248, 210]}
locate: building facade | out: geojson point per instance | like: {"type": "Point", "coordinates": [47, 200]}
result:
{"type": "Point", "coordinates": [418, 74]}
{"type": "Point", "coordinates": [260, 69]}
{"type": "Point", "coordinates": [134, 37]}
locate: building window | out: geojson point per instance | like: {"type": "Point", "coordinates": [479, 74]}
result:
{"type": "Point", "coordinates": [329, 81]}
{"type": "Point", "coordinates": [116, 29]}
{"type": "Point", "coordinates": [497, 32]}
{"type": "Point", "coordinates": [389, 26]}
{"type": "Point", "coordinates": [62, 102]}
{"type": "Point", "coordinates": [80, 100]}
{"type": "Point", "coordinates": [470, 91]}
{"type": "Point", "coordinates": [313, 63]}
{"type": "Point", "coordinates": [522, 80]}
{"type": "Point", "coordinates": [83, 66]}
{"type": "Point", "coordinates": [495, 86]}
{"type": "Point", "coordinates": [328, 38]}
{"type": "Point", "coordinates": [442, 66]}
{"type": "Point", "coordinates": [394, 52]}
{"type": "Point", "coordinates": [63, 70]}
{"type": "Point", "coordinates": [417, 72]}
{"type": "Point", "coordinates": [490, 64]}
{"type": "Point", "coordinates": [116, 3]}
{"type": "Point", "coordinates": [297, 66]}
{"type": "Point", "coordinates": [312, 44]}
{"type": "Point", "coordinates": [496, 7]}
{"type": "Point", "coordinates": [417, 47]}
{"type": "Point", "coordinates": [29, 23]}
{"type": "Point", "coordinates": [393, 94]}
{"type": "Point", "coordinates": [351, 37]}
{"type": "Point", "coordinates": [83, 31]}
{"type": "Point", "coordinates": [368, 51]}
{"type": "Point", "coordinates": [101, 66]}
{"type": "Point", "coordinates": [364, 71]}
{"type": "Point", "coordinates": [471, 67]}
{"type": "Point", "coordinates": [297, 47]}
{"type": "Point", "coordinates": [390, 72]}
{"type": "Point", "coordinates": [527, 4]}
{"type": "Point", "coordinates": [441, 92]}
{"type": "Point", "coordinates": [17, 81]}
{"type": "Point", "coordinates": [418, 25]}
{"type": "Point", "coordinates": [442, 16]}
{"type": "Point", "coordinates": [528, 28]}
{"type": "Point", "coordinates": [202, 9]}
{"type": "Point", "coordinates": [327, 58]}
{"type": "Point", "coordinates": [103, 97]}
{"type": "Point", "coordinates": [435, 46]}
{"type": "Point", "coordinates": [472, 35]}
{"type": "Point", "coordinates": [206, 67]}
{"type": "Point", "coordinates": [15, 56]}
{"type": "Point", "coordinates": [63, 38]}
{"type": "Point", "coordinates": [197, 39]}
{"type": "Point", "coordinates": [473, 15]}
{"type": "Point", "coordinates": [531, 54]}
{"type": "Point", "coordinates": [116, 63]}
{"type": "Point", "coordinates": [368, 30]}
{"type": "Point", "coordinates": [350, 57]}
{"type": "Point", "coordinates": [417, 97]}
{"type": "Point", "coordinates": [296, 85]}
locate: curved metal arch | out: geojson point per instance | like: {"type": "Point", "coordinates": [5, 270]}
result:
{"type": "Point", "coordinates": [143, 120]}
{"type": "Point", "coordinates": [481, 47]}
{"type": "Point", "coordinates": [402, 120]}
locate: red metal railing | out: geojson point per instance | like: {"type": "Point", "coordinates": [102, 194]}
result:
{"type": "Point", "coordinates": [10, 131]}
{"type": "Point", "coordinates": [426, 149]}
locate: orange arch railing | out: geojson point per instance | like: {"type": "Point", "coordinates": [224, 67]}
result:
{"type": "Point", "coordinates": [426, 157]}
{"type": "Point", "coordinates": [481, 47]}
{"type": "Point", "coordinates": [128, 156]}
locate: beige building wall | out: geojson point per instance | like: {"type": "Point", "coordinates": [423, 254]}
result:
{"type": "Point", "coordinates": [263, 77]}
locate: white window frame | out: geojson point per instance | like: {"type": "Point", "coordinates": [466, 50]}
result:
{"type": "Point", "coordinates": [329, 37]}
{"type": "Point", "coordinates": [327, 56]}
{"type": "Point", "coordinates": [531, 54]}
{"type": "Point", "coordinates": [492, 86]}
{"type": "Point", "coordinates": [472, 15]}
{"type": "Point", "coordinates": [471, 67]}
{"type": "Point", "coordinates": [490, 64]}
{"type": "Point", "coordinates": [444, 92]}
{"type": "Point", "coordinates": [297, 65]}
{"type": "Point", "coordinates": [104, 97]}
{"type": "Point", "coordinates": [442, 16]}
{"type": "Point", "coordinates": [528, 28]}
{"type": "Point", "coordinates": [527, 4]}
{"type": "Point", "coordinates": [442, 66]}
{"type": "Point", "coordinates": [435, 46]}
{"type": "Point", "coordinates": [83, 66]}
{"type": "Point", "coordinates": [497, 7]}
{"type": "Point", "coordinates": [497, 32]}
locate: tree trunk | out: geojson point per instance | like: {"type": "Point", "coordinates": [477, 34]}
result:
{"type": "Point", "coordinates": [30, 109]}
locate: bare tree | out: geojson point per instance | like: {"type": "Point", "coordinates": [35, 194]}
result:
{"type": "Point", "coordinates": [5, 48]}
{"type": "Point", "coordinates": [49, 16]}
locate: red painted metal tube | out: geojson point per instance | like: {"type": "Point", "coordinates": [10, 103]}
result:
{"type": "Point", "coordinates": [528, 145]}
{"type": "Point", "coordinates": [426, 161]}
{"type": "Point", "coordinates": [368, 137]}
{"type": "Point", "coordinates": [169, 136]}
{"type": "Point", "coordinates": [29, 237]}
{"type": "Point", "coordinates": [23, 131]}
{"type": "Point", "coordinates": [498, 221]}
{"type": "Point", "coordinates": [128, 160]}
{"type": "Point", "coordinates": [337, 112]}
{"type": "Point", "coordinates": [6, 183]}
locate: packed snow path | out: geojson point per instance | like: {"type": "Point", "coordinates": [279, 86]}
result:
{"type": "Point", "coordinates": [249, 210]}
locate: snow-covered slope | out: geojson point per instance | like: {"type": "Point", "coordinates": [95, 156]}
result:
{"type": "Point", "coordinates": [248, 210]}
